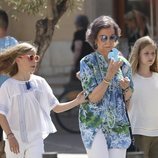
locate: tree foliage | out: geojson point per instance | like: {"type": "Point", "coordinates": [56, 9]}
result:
{"type": "Point", "coordinates": [33, 7]}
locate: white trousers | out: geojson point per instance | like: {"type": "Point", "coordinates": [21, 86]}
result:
{"type": "Point", "coordinates": [99, 149]}
{"type": "Point", "coordinates": [34, 149]}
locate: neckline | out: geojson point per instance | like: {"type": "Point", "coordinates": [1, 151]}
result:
{"type": "Point", "coordinates": [143, 77]}
{"type": "Point", "coordinates": [22, 81]}
{"type": "Point", "coordinates": [100, 55]}
{"type": "Point", "coordinates": [27, 83]}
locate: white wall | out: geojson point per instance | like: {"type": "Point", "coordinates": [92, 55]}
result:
{"type": "Point", "coordinates": [58, 59]}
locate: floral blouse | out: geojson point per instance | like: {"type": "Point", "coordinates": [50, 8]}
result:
{"type": "Point", "coordinates": [109, 113]}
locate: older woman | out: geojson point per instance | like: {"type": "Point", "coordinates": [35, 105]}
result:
{"type": "Point", "coordinates": [107, 84]}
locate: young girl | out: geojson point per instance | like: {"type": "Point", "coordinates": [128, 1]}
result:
{"type": "Point", "coordinates": [25, 103]}
{"type": "Point", "coordinates": [144, 103]}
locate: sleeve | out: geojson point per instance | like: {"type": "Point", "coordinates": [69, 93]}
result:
{"type": "Point", "coordinates": [4, 101]}
{"type": "Point", "coordinates": [53, 101]}
{"type": "Point", "coordinates": [13, 41]}
{"type": "Point", "coordinates": [87, 76]}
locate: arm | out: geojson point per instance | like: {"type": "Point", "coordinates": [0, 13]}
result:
{"type": "Point", "coordinates": [54, 103]}
{"type": "Point", "coordinates": [127, 85]}
{"type": "Point", "coordinates": [127, 92]}
{"type": "Point", "coordinates": [4, 109]}
{"type": "Point", "coordinates": [4, 124]}
{"type": "Point", "coordinates": [99, 91]}
{"type": "Point", "coordinates": [14, 146]}
{"type": "Point", "coordinates": [61, 107]}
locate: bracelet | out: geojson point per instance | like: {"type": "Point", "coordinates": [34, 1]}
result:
{"type": "Point", "coordinates": [10, 134]}
{"type": "Point", "coordinates": [126, 89]}
{"type": "Point", "coordinates": [106, 81]}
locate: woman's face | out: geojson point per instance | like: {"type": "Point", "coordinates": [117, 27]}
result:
{"type": "Point", "coordinates": [147, 56]}
{"type": "Point", "coordinates": [105, 40]}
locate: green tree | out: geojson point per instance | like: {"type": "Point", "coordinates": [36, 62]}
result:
{"type": "Point", "coordinates": [45, 26]}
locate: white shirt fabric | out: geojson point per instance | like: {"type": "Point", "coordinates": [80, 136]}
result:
{"type": "Point", "coordinates": [28, 110]}
{"type": "Point", "coordinates": [144, 105]}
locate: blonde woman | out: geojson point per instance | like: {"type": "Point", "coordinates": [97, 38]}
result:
{"type": "Point", "coordinates": [144, 103]}
{"type": "Point", "coordinates": [25, 103]}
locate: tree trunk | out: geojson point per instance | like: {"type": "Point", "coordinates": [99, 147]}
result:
{"type": "Point", "coordinates": [45, 28]}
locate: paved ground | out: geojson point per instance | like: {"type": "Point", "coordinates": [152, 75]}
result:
{"type": "Point", "coordinates": [63, 142]}
{"type": "Point", "coordinates": [66, 156]}
{"type": "Point", "coordinates": [66, 144]}
{"type": "Point", "coordinates": [72, 156]}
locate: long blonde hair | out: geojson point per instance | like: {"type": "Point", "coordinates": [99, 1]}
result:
{"type": "Point", "coordinates": [140, 44]}
{"type": "Point", "coordinates": [7, 58]}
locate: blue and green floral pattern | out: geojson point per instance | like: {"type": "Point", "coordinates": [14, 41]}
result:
{"type": "Point", "coordinates": [109, 113]}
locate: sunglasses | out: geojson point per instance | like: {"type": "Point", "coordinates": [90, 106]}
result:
{"type": "Point", "coordinates": [36, 58]}
{"type": "Point", "coordinates": [104, 38]}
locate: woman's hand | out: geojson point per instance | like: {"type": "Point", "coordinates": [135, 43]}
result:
{"type": "Point", "coordinates": [13, 143]}
{"type": "Point", "coordinates": [112, 69]}
{"type": "Point", "coordinates": [100, 90]}
{"type": "Point", "coordinates": [127, 92]}
{"type": "Point", "coordinates": [124, 83]}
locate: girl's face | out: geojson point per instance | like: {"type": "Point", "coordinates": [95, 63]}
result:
{"type": "Point", "coordinates": [105, 40]}
{"type": "Point", "coordinates": [147, 56]}
{"type": "Point", "coordinates": [28, 62]}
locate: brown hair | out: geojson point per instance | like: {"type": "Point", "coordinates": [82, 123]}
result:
{"type": "Point", "coordinates": [7, 58]}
